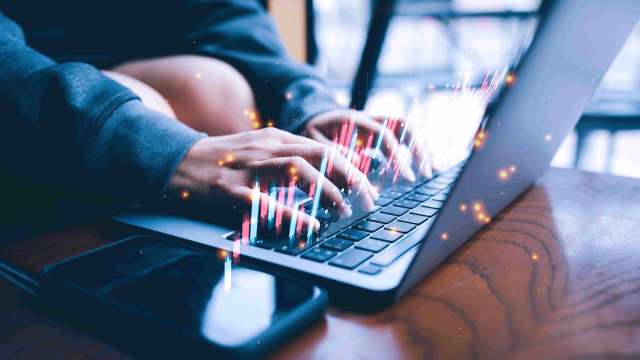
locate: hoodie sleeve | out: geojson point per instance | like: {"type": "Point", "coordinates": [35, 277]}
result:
{"type": "Point", "coordinates": [242, 34]}
{"type": "Point", "coordinates": [68, 126]}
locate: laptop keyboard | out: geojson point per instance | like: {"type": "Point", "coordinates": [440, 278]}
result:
{"type": "Point", "coordinates": [375, 241]}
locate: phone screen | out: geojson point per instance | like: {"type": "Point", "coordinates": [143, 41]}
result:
{"type": "Point", "coordinates": [201, 292]}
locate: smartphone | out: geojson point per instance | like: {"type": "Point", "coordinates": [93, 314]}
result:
{"type": "Point", "coordinates": [182, 300]}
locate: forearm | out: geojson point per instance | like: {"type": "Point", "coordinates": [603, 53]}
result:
{"type": "Point", "coordinates": [67, 125]}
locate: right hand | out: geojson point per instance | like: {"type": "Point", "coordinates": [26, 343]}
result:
{"type": "Point", "coordinates": [224, 169]}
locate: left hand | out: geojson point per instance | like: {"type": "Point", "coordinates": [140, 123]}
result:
{"type": "Point", "coordinates": [324, 127]}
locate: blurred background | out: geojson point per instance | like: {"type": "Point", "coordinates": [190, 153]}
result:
{"type": "Point", "coordinates": [430, 46]}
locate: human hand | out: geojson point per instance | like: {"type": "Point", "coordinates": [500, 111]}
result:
{"type": "Point", "coordinates": [225, 168]}
{"type": "Point", "coordinates": [325, 126]}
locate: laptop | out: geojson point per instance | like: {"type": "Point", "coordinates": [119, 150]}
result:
{"type": "Point", "coordinates": [373, 258]}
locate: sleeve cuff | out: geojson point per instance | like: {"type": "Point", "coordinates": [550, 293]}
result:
{"type": "Point", "coordinates": [137, 150]}
{"type": "Point", "coordinates": [304, 100]}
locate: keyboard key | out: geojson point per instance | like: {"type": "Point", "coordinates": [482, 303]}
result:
{"type": "Point", "coordinates": [441, 181]}
{"type": "Point", "coordinates": [412, 219]}
{"type": "Point", "coordinates": [394, 252]}
{"type": "Point", "coordinates": [408, 204]}
{"type": "Point", "coordinates": [424, 211]}
{"type": "Point", "coordinates": [440, 197]}
{"type": "Point", "coordinates": [383, 201]}
{"type": "Point", "coordinates": [402, 188]}
{"type": "Point", "coordinates": [434, 204]}
{"type": "Point", "coordinates": [427, 191]}
{"type": "Point", "coordinates": [369, 269]}
{"type": "Point", "coordinates": [375, 208]}
{"type": "Point", "coordinates": [381, 218]}
{"type": "Point", "coordinates": [387, 235]}
{"type": "Point", "coordinates": [369, 226]}
{"type": "Point", "coordinates": [319, 255]}
{"type": "Point", "coordinates": [435, 184]}
{"type": "Point", "coordinates": [292, 249]}
{"type": "Point", "coordinates": [336, 244]}
{"type": "Point", "coordinates": [353, 235]}
{"type": "Point", "coordinates": [400, 227]}
{"type": "Point", "coordinates": [351, 258]}
{"type": "Point", "coordinates": [391, 194]}
{"type": "Point", "coordinates": [417, 197]}
{"type": "Point", "coordinates": [372, 245]}
{"type": "Point", "coordinates": [394, 210]}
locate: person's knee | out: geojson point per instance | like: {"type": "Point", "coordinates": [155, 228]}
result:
{"type": "Point", "coordinates": [148, 95]}
{"type": "Point", "coordinates": [205, 93]}
{"type": "Point", "coordinates": [221, 94]}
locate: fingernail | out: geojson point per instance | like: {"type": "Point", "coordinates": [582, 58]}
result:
{"type": "Point", "coordinates": [374, 193]}
{"type": "Point", "coordinates": [345, 211]}
{"type": "Point", "coordinates": [370, 206]}
{"type": "Point", "coordinates": [409, 174]}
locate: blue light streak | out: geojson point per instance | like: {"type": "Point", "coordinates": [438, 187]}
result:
{"type": "Point", "coordinates": [316, 196]}
{"type": "Point", "coordinates": [272, 206]}
{"type": "Point", "coordinates": [255, 208]}
{"type": "Point", "coordinates": [294, 220]}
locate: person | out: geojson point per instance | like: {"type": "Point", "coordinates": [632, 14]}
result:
{"type": "Point", "coordinates": [194, 99]}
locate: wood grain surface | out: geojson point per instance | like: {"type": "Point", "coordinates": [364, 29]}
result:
{"type": "Point", "coordinates": [556, 275]}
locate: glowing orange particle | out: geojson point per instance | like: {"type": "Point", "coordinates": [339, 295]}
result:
{"type": "Point", "coordinates": [444, 236]}
{"type": "Point", "coordinates": [220, 162]}
{"type": "Point", "coordinates": [463, 207]}
{"type": "Point", "coordinates": [480, 137]}
{"type": "Point", "coordinates": [512, 168]}
{"type": "Point", "coordinates": [477, 206]}
{"type": "Point", "coordinates": [293, 170]}
{"type": "Point", "coordinates": [229, 157]}
{"type": "Point", "coordinates": [288, 95]}
{"type": "Point", "coordinates": [510, 79]}
{"type": "Point", "coordinates": [198, 75]}
{"type": "Point", "coordinates": [535, 257]}
{"type": "Point", "coordinates": [503, 174]}
{"type": "Point", "coordinates": [184, 195]}
{"type": "Point", "coordinates": [270, 124]}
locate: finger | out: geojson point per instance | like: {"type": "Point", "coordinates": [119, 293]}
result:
{"type": "Point", "coordinates": [304, 174]}
{"type": "Point", "coordinates": [318, 136]}
{"type": "Point", "coordinates": [343, 170]}
{"type": "Point", "coordinates": [413, 137]}
{"type": "Point", "coordinates": [284, 137]}
{"type": "Point", "coordinates": [424, 160]}
{"type": "Point", "coordinates": [390, 145]}
{"type": "Point", "coordinates": [245, 195]}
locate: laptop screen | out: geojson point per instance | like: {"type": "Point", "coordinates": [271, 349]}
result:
{"type": "Point", "coordinates": [573, 47]}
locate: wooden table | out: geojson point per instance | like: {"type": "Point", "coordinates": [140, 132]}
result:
{"type": "Point", "coordinates": [556, 275]}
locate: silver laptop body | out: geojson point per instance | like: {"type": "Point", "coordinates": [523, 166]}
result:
{"type": "Point", "coordinates": [575, 43]}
